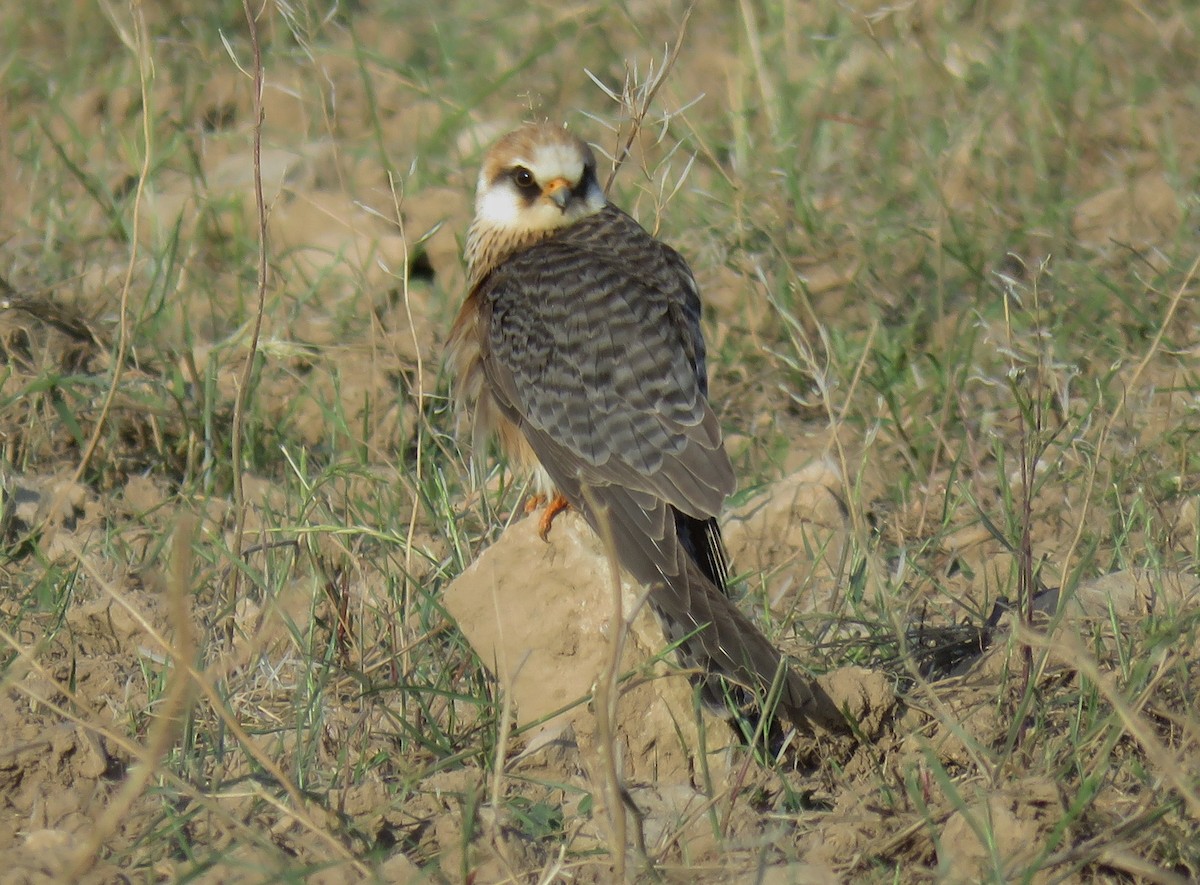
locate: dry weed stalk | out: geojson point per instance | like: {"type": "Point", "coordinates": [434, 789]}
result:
{"type": "Point", "coordinates": [1026, 382]}
{"type": "Point", "coordinates": [1106, 429]}
{"type": "Point", "coordinates": [419, 426]}
{"type": "Point", "coordinates": [137, 43]}
{"type": "Point", "coordinates": [1174, 768]}
{"type": "Point", "coordinates": [635, 99]}
{"type": "Point", "coordinates": [169, 715]}
{"type": "Point", "coordinates": [244, 385]}
{"type": "Point", "coordinates": [218, 703]}
{"type": "Point", "coordinates": [606, 694]}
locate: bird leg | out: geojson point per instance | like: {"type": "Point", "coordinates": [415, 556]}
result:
{"type": "Point", "coordinates": [556, 506]}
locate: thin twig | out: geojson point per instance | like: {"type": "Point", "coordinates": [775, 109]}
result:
{"type": "Point", "coordinates": [418, 425]}
{"type": "Point", "coordinates": [243, 394]}
{"type": "Point", "coordinates": [138, 44]}
{"type": "Point", "coordinates": [607, 693]}
{"type": "Point", "coordinates": [1174, 768]}
{"type": "Point", "coordinates": [169, 713]}
{"type": "Point", "coordinates": [219, 703]}
{"type": "Point", "coordinates": [638, 106]}
{"type": "Point", "coordinates": [606, 708]}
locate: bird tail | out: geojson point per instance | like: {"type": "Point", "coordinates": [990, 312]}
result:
{"type": "Point", "coordinates": [712, 635]}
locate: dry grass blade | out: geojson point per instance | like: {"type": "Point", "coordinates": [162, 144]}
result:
{"type": "Point", "coordinates": [188, 675]}
{"type": "Point", "coordinates": [1151, 350]}
{"type": "Point", "coordinates": [636, 99]}
{"type": "Point", "coordinates": [170, 714]}
{"type": "Point", "coordinates": [1176, 769]}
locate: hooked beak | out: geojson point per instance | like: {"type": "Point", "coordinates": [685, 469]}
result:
{"type": "Point", "coordinates": [558, 192]}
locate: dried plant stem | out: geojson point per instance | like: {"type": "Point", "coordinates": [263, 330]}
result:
{"type": "Point", "coordinates": [1032, 442]}
{"type": "Point", "coordinates": [139, 45]}
{"type": "Point", "coordinates": [606, 714]}
{"type": "Point", "coordinates": [765, 85]}
{"type": "Point", "coordinates": [243, 393]}
{"type": "Point", "coordinates": [419, 428]}
{"type": "Point", "coordinates": [617, 798]}
{"type": "Point", "coordinates": [168, 714]}
{"type": "Point", "coordinates": [636, 102]}
{"type": "Point", "coordinates": [508, 678]}
{"type": "Point", "coordinates": [1089, 485]}
{"type": "Point", "coordinates": [1173, 768]}
{"type": "Point", "coordinates": [1110, 423]}
{"type": "Point", "coordinates": [220, 706]}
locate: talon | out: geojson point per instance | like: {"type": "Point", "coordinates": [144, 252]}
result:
{"type": "Point", "coordinates": [533, 502]}
{"type": "Point", "coordinates": [556, 506]}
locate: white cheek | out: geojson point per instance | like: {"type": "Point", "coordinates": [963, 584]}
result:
{"type": "Point", "coordinates": [498, 206]}
{"type": "Point", "coordinates": [503, 209]}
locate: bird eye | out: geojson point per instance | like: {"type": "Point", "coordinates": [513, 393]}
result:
{"type": "Point", "coordinates": [523, 178]}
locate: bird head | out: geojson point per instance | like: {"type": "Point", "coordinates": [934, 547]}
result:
{"type": "Point", "coordinates": [534, 181]}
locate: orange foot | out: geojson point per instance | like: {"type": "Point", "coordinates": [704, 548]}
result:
{"type": "Point", "coordinates": [556, 505]}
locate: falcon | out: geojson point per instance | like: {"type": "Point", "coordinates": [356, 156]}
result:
{"type": "Point", "coordinates": [579, 347]}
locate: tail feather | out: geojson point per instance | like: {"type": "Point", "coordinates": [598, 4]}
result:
{"type": "Point", "coordinates": [682, 561]}
{"type": "Point", "coordinates": [714, 636]}
{"type": "Point", "coordinates": [701, 539]}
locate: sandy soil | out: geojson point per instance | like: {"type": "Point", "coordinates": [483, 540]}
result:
{"type": "Point", "coordinates": [542, 616]}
